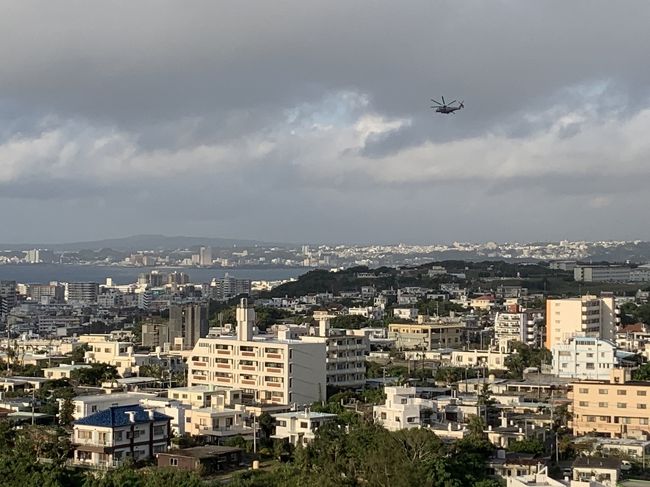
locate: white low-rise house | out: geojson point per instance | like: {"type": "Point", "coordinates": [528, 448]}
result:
{"type": "Point", "coordinates": [585, 358]}
{"type": "Point", "coordinates": [299, 427]}
{"type": "Point", "coordinates": [404, 409]}
{"type": "Point", "coordinates": [63, 371]}
{"type": "Point", "coordinates": [406, 313]}
{"type": "Point", "coordinates": [491, 359]}
{"type": "Point", "coordinates": [109, 437]}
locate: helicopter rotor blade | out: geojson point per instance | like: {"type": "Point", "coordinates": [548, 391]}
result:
{"type": "Point", "coordinates": [451, 102]}
{"type": "Point", "coordinates": [443, 101]}
{"type": "Point", "coordinates": [434, 101]}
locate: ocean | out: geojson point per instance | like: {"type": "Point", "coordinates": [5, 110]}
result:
{"type": "Point", "coordinates": [43, 273]}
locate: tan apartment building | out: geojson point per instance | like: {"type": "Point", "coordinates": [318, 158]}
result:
{"type": "Point", "coordinates": [426, 336]}
{"type": "Point", "coordinates": [266, 370]}
{"type": "Point", "coordinates": [617, 407]}
{"type": "Point", "coordinates": [588, 315]}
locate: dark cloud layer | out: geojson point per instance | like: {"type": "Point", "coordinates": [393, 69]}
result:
{"type": "Point", "coordinates": [310, 121]}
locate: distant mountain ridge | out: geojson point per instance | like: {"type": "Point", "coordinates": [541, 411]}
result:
{"type": "Point", "coordinates": [141, 242]}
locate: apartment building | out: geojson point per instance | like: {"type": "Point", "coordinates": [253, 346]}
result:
{"type": "Point", "coordinates": [82, 292]}
{"type": "Point", "coordinates": [584, 316]}
{"type": "Point", "coordinates": [345, 352]}
{"type": "Point", "coordinates": [188, 321]}
{"type": "Point", "coordinates": [520, 326]}
{"type": "Point", "coordinates": [426, 336]}
{"type": "Point", "coordinates": [121, 355]}
{"type": "Point", "coordinates": [617, 407]}
{"type": "Point", "coordinates": [62, 371]}
{"type": "Point", "coordinates": [404, 409]}
{"type": "Point", "coordinates": [266, 370]}
{"type": "Point", "coordinates": [491, 359]}
{"type": "Point", "coordinates": [299, 427]}
{"type": "Point", "coordinates": [109, 437]}
{"type": "Point", "coordinates": [205, 396]}
{"type": "Point", "coordinates": [585, 358]}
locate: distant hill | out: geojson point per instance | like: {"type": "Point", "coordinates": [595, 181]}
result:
{"type": "Point", "coordinates": [140, 242]}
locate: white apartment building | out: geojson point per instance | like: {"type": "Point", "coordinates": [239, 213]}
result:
{"type": "Point", "coordinates": [403, 409]}
{"type": "Point", "coordinates": [346, 352]}
{"type": "Point", "coordinates": [299, 427]}
{"type": "Point", "coordinates": [584, 358]}
{"type": "Point", "coordinates": [108, 438]}
{"type": "Point", "coordinates": [266, 370]}
{"type": "Point", "coordinates": [524, 327]}
{"type": "Point", "coordinates": [584, 316]}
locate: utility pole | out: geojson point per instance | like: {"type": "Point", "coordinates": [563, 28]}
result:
{"type": "Point", "coordinates": [254, 433]}
{"type": "Point", "coordinates": [33, 399]}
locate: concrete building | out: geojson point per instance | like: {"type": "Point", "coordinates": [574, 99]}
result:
{"type": "Point", "coordinates": [82, 292]}
{"type": "Point", "coordinates": [404, 409]}
{"type": "Point", "coordinates": [90, 404]}
{"type": "Point", "coordinates": [205, 256]}
{"type": "Point", "coordinates": [521, 326]}
{"type": "Point", "coordinates": [229, 287]}
{"type": "Point", "coordinates": [8, 298]}
{"type": "Point", "coordinates": [617, 407]}
{"type": "Point", "coordinates": [46, 293]}
{"type": "Point", "coordinates": [299, 427]}
{"type": "Point", "coordinates": [492, 359]}
{"type": "Point", "coordinates": [601, 273]}
{"type": "Point", "coordinates": [108, 438]}
{"type": "Point", "coordinates": [426, 336]}
{"type": "Point", "coordinates": [187, 321]}
{"type": "Point", "coordinates": [345, 350]}
{"type": "Point", "coordinates": [406, 313]}
{"type": "Point", "coordinates": [63, 371]}
{"type": "Point", "coordinates": [584, 358]}
{"type": "Point", "coordinates": [584, 316]}
{"type": "Point", "coordinates": [267, 370]}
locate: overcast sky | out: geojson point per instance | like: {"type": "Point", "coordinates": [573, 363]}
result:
{"type": "Point", "coordinates": [309, 121]}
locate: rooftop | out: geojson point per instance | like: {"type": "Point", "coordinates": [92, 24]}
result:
{"type": "Point", "coordinates": [117, 416]}
{"type": "Point", "coordinates": [304, 415]}
{"type": "Point", "coordinates": [203, 451]}
{"type": "Point", "coordinates": [589, 462]}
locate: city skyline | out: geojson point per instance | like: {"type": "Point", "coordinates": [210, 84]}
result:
{"type": "Point", "coordinates": [305, 123]}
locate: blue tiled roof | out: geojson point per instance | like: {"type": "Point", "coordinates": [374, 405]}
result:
{"type": "Point", "coordinates": [116, 416]}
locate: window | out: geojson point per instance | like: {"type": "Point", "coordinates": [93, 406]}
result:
{"type": "Point", "coordinates": [173, 462]}
{"type": "Point", "coordinates": [621, 405]}
{"type": "Point", "coordinates": [602, 391]}
{"type": "Point", "coordinates": [584, 390]}
{"type": "Point", "coordinates": [621, 392]}
{"type": "Point", "coordinates": [640, 393]}
{"type": "Point", "coordinates": [118, 435]}
{"type": "Point", "coordinates": [158, 430]}
{"type": "Point", "coordinates": [642, 406]}
{"type": "Point", "coordinates": [590, 366]}
{"type": "Point", "coordinates": [602, 404]}
{"type": "Point", "coordinates": [304, 424]}
{"type": "Point", "coordinates": [584, 404]}
{"type": "Point", "coordinates": [643, 421]}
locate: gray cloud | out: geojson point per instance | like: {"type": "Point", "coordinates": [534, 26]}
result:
{"type": "Point", "coordinates": [307, 121]}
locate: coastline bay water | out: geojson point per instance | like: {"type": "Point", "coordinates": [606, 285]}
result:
{"type": "Point", "coordinates": [43, 273]}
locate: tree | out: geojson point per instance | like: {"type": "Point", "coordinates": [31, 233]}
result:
{"type": "Point", "coordinates": [527, 445]}
{"type": "Point", "coordinates": [525, 356]}
{"type": "Point", "coordinates": [95, 375]}
{"type": "Point", "coordinates": [66, 412]}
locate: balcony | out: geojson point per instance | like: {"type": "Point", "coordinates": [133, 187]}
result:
{"type": "Point", "coordinates": [274, 355]}
{"type": "Point", "coordinates": [199, 364]}
{"type": "Point", "coordinates": [224, 366]}
{"type": "Point", "coordinates": [223, 352]}
{"type": "Point", "coordinates": [223, 379]}
{"type": "Point", "coordinates": [199, 377]}
{"type": "Point", "coordinates": [248, 367]}
{"type": "Point", "coordinates": [274, 370]}
{"type": "Point", "coordinates": [248, 382]}
{"type": "Point", "coordinates": [274, 384]}
{"type": "Point", "coordinates": [248, 354]}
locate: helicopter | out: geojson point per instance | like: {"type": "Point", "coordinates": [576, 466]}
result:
{"type": "Point", "coordinates": [446, 107]}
